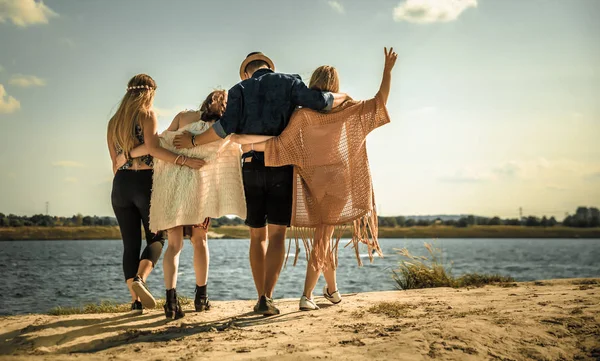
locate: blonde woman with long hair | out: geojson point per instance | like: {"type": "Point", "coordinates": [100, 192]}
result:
{"type": "Point", "coordinates": [332, 185]}
{"type": "Point", "coordinates": [135, 123]}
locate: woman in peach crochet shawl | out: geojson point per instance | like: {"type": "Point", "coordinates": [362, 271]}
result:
{"type": "Point", "coordinates": [332, 179]}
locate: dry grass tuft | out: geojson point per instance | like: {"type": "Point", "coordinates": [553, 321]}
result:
{"type": "Point", "coordinates": [430, 272]}
{"type": "Point", "coordinates": [107, 307]}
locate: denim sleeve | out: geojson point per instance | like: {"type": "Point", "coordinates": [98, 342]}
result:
{"type": "Point", "coordinates": [309, 98]}
{"type": "Point", "coordinates": [219, 129]}
{"type": "Point", "coordinates": [230, 120]}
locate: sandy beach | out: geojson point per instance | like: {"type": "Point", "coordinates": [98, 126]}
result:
{"type": "Point", "coordinates": [544, 320]}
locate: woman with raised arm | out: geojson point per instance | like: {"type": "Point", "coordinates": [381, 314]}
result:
{"type": "Point", "coordinates": [135, 123]}
{"type": "Point", "coordinates": [333, 185]}
{"type": "Point", "coordinates": [183, 201]}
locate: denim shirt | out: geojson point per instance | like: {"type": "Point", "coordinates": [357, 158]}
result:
{"type": "Point", "coordinates": [264, 103]}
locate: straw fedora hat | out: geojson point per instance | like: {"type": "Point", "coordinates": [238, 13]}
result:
{"type": "Point", "coordinates": [252, 57]}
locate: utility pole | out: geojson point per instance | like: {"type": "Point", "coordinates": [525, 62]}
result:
{"type": "Point", "coordinates": [520, 213]}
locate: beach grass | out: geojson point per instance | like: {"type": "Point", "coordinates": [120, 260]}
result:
{"type": "Point", "coordinates": [107, 307]}
{"type": "Point", "coordinates": [430, 271]}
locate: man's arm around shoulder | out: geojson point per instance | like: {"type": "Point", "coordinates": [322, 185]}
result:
{"type": "Point", "coordinates": [314, 99]}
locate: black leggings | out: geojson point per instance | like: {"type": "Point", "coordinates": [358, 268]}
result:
{"type": "Point", "coordinates": [131, 203]}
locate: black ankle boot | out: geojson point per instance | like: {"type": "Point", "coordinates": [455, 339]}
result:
{"type": "Point", "coordinates": [173, 310]}
{"type": "Point", "coordinates": [201, 300]}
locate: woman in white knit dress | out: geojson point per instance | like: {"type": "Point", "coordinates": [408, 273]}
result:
{"type": "Point", "coordinates": [184, 201]}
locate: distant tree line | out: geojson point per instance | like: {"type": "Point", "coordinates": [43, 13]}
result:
{"type": "Point", "coordinates": [42, 220]}
{"type": "Point", "coordinates": [78, 220]}
{"type": "Point", "coordinates": [583, 217]}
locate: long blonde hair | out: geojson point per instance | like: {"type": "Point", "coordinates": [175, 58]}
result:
{"type": "Point", "coordinates": [325, 78]}
{"type": "Point", "coordinates": [136, 101]}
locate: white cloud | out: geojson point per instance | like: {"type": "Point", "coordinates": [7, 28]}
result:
{"type": "Point", "coordinates": [25, 12]}
{"type": "Point", "coordinates": [337, 6]}
{"type": "Point", "coordinates": [26, 81]}
{"type": "Point", "coordinates": [67, 164]}
{"type": "Point", "coordinates": [71, 180]}
{"type": "Point", "coordinates": [8, 104]}
{"type": "Point", "coordinates": [431, 11]}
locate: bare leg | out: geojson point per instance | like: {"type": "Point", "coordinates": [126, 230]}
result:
{"type": "Point", "coordinates": [330, 277]}
{"type": "Point", "coordinates": [322, 239]}
{"type": "Point", "coordinates": [312, 271]}
{"type": "Point", "coordinates": [258, 253]}
{"type": "Point", "coordinates": [329, 272]}
{"type": "Point", "coordinates": [201, 255]}
{"type": "Point", "coordinates": [312, 277]}
{"type": "Point", "coordinates": [171, 257]}
{"type": "Point", "coordinates": [274, 258]}
{"type": "Point", "coordinates": [144, 268]}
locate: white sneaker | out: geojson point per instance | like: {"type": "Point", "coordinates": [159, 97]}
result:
{"type": "Point", "coordinates": [334, 298]}
{"type": "Point", "coordinates": [307, 304]}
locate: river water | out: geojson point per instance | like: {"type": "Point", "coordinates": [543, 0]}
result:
{"type": "Point", "coordinates": [39, 275]}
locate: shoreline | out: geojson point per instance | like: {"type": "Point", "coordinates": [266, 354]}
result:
{"type": "Point", "coordinates": [542, 320]}
{"type": "Point", "coordinates": [241, 232]}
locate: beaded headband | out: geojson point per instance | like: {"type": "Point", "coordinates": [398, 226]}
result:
{"type": "Point", "coordinates": [140, 87]}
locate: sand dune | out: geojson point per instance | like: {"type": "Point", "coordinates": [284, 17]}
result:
{"type": "Point", "coordinates": [548, 320]}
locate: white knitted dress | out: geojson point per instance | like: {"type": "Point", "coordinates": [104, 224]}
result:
{"type": "Point", "coordinates": [184, 196]}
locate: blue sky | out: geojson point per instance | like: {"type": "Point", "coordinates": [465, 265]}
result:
{"type": "Point", "coordinates": [494, 104]}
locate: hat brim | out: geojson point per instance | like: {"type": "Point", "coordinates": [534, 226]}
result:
{"type": "Point", "coordinates": [252, 58]}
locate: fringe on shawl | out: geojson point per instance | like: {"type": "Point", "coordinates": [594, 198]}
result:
{"type": "Point", "coordinates": [364, 230]}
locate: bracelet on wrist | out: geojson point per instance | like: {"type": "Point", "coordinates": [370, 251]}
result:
{"type": "Point", "coordinates": [193, 140]}
{"type": "Point", "coordinates": [184, 160]}
{"type": "Point", "coordinates": [176, 159]}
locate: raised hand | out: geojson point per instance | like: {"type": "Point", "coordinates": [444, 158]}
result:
{"type": "Point", "coordinates": [390, 59]}
{"type": "Point", "coordinates": [183, 140]}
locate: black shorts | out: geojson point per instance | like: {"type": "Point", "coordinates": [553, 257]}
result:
{"type": "Point", "coordinates": [269, 192]}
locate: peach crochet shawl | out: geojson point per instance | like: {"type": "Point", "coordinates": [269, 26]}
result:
{"type": "Point", "coordinates": [332, 178]}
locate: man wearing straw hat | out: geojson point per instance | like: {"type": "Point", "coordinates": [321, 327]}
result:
{"type": "Point", "coordinates": [262, 104]}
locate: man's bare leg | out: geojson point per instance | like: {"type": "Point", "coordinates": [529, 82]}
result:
{"type": "Point", "coordinates": [258, 252]}
{"type": "Point", "coordinates": [274, 257]}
